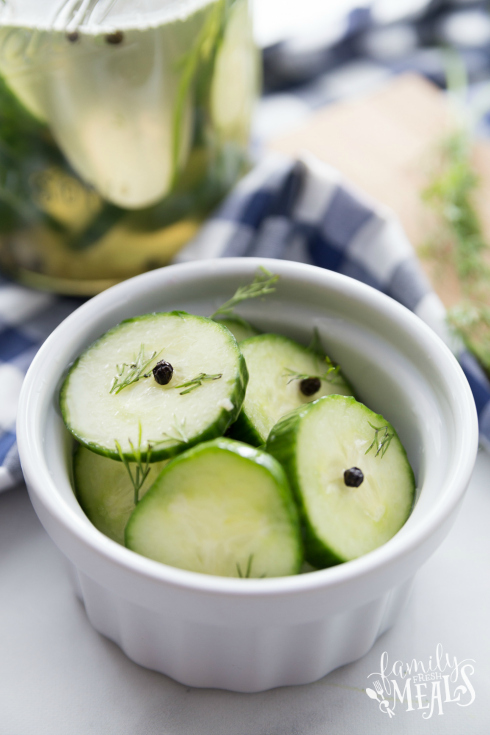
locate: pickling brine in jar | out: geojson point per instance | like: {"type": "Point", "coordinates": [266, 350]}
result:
{"type": "Point", "coordinates": [122, 123]}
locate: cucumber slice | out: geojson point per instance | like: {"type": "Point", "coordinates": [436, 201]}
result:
{"type": "Point", "coordinates": [236, 77]}
{"type": "Point", "coordinates": [110, 108]}
{"type": "Point", "coordinates": [144, 415]}
{"type": "Point", "coordinates": [221, 508]}
{"type": "Point", "coordinates": [240, 328]}
{"type": "Point", "coordinates": [105, 492]}
{"type": "Point", "coordinates": [272, 390]}
{"type": "Point", "coordinates": [316, 444]}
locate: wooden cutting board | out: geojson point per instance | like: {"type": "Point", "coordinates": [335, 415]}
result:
{"type": "Point", "coordinates": [385, 143]}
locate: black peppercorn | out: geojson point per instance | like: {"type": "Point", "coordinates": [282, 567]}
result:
{"type": "Point", "coordinates": [310, 386]}
{"type": "Point", "coordinates": [162, 372]}
{"type": "Point", "coordinates": [114, 38]}
{"type": "Point", "coordinates": [73, 36]}
{"type": "Point", "coordinates": [353, 477]}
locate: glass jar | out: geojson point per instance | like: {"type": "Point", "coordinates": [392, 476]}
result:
{"type": "Point", "coordinates": [122, 124]}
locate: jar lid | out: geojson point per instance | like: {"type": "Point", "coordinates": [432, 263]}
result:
{"type": "Point", "coordinates": [95, 16]}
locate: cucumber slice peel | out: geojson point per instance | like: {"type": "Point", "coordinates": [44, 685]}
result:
{"type": "Point", "coordinates": [220, 508]}
{"type": "Point", "coordinates": [316, 444]}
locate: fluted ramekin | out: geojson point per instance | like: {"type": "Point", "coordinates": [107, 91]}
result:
{"type": "Point", "coordinates": [253, 634]}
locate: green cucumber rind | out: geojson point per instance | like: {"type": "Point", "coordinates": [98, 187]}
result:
{"type": "Point", "coordinates": [220, 425]}
{"type": "Point", "coordinates": [243, 430]}
{"type": "Point", "coordinates": [281, 444]}
{"type": "Point", "coordinates": [264, 459]}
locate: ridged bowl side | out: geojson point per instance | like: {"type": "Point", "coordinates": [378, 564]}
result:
{"type": "Point", "coordinates": [232, 657]}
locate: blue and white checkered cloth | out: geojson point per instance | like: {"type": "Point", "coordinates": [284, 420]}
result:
{"type": "Point", "coordinates": [367, 45]}
{"type": "Point", "coordinates": [303, 211]}
{"type": "Point", "coordinates": [27, 317]}
{"type": "Point", "coordinates": [294, 210]}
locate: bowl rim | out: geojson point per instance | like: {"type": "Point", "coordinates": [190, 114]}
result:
{"type": "Point", "coordinates": [42, 486]}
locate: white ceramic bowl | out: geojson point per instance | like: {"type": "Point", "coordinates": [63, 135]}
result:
{"type": "Point", "coordinates": [243, 634]}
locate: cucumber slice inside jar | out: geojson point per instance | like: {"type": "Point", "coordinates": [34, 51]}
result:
{"type": "Point", "coordinates": [105, 492]}
{"type": "Point", "coordinates": [112, 403]}
{"type": "Point", "coordinates": [350, 474]}
{"type": "Point", "coordinates": [236, 76]}
{"type": "Point", "coordinates": [221, 508]}
{"type": "Point", "coordinates": [278, 368]}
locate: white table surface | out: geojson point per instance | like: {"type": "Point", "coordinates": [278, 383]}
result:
{"type": "Point", "coordinates": [59, 677]}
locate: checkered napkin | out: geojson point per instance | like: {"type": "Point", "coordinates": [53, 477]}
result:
{"type": "Point", "coordinates": [368, 44]}
{"type": "Point", "coordinates": [27, 317]}
{"type": "Point", "coordinates": [303, 211]}
{"type": "Point", "coordinates": [294, 210]}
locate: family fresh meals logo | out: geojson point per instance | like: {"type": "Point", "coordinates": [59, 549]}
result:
{"type": "Point", "coordinates": [425, 687]}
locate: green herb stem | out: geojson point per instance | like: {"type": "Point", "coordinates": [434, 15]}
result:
{"type": "Point", "coordinates": [327, 377]}
{"type": "Point", "coordinates": [450, 194]}
{"type": "Point", "coordinates": [129, 373]}
{"type": "Point", "coordinates": [315, 345]}
{"type": "Point", "coordinates": [262, 285]}
{"type": "Point", "coordinates": [141, 469]}
{"type": "Point", "coordinates": [460, 240]}
{"type": "Point", "coordinates": [382, 439]}
{"type": "Point", "coordinates": [196, 382]}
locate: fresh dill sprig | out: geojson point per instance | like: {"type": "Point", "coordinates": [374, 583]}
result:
{"type": "Point", "coordinates": [460, 240]}
{"type": "Point", "coordinates": [129, 373]}
{"type": "Point", "coordinates": [450, 195]}
{"type": "Point", "coordinates": [248, 570]}
{"type": "Point", "coordinates": [262, 285]}
{"type": "Point", "coordinates": [315, 345]}
{"type": "Point", "coordinates": [328, 376]}
{"type": "Point", "coordinates": [471, 322]}
{"type": "Point", "coordinates": [142, 469]}
{"type": "Point", "coordinates": [196, 382]}
{"type": "Point", "coordinates": [382, 439]}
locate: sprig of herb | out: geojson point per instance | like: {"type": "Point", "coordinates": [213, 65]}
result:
{"type": "Point", "coordinates": [142, 468]}
{"type": "Point", "coordinates": [248, 570]}
{"type": "Point", "coordinates": [450, 195]}
{"type": "Point", "coordinates": [262, 285]}
{"type": "Point", "coordinates": [315, 345]}
{"type": "Point", "coordinates": [328, 376]}
{"type": "Point", "coordinates": [460, 238]}
{"type": "Point", "coordinates": [129, 373]}
{"type": "Point", "coordinates": [471, 321]}
{"type": "Point", "coordinates": [197, 382]}
{"type": "Point", "coordinates": [382, 439]}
